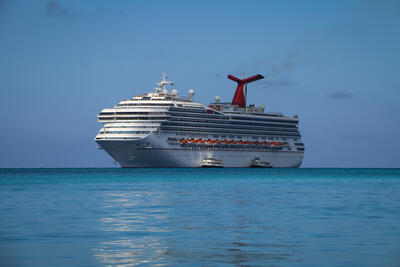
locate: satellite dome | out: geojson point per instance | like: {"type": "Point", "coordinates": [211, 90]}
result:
{"type": "Point", "coordinates": [174, 92]}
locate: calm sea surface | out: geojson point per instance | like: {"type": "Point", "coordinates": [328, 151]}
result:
{"type": "Point", "coordinates": [200, 217]}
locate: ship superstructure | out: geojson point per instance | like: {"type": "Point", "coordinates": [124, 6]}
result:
{"type": "Point", "coordinates": [162, 129]}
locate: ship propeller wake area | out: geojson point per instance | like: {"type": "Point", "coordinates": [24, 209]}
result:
{"type": "Point", "coordinates": [240, 95]}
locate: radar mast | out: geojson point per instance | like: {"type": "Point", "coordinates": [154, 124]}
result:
{"type": "Point", "coordinates": [164, 81]}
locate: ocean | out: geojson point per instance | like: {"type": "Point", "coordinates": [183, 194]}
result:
{"type": "Point", "coordinates": [200, 217]}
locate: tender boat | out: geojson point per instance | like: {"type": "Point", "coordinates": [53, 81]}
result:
{"type": "Point", "coordinates": [257, 163]}
{"type": "Point", "coordinates": [212, 163]}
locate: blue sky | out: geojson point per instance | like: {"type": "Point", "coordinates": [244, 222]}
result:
{"type": "Point", "coordinates": [334, 63]}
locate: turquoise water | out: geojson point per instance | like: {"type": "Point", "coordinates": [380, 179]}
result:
{"type": "Point", "coordinates": [200, 217]}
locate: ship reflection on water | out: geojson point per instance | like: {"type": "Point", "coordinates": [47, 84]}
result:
{"type": "Point", "coordinates": [135, 219]}
{"type": "Point", "coordinates": [159, 229]}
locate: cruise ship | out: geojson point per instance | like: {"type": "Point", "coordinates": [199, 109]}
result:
{"type": "Point", "coordinates": [162, 129]}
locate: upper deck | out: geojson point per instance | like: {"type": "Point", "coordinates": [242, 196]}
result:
{"type": "Point", "coordinates": [162, 100]}
{"type": "Point", "coordinates": [165, 110]}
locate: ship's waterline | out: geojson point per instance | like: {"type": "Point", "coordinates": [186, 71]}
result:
{"type": "Point", "coordinates": [150, 152]}
{"type": "Point", "coordinates": [161, 129]}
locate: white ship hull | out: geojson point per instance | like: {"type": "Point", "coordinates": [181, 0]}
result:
{"type": "Point", "coordinates": [155, 151]}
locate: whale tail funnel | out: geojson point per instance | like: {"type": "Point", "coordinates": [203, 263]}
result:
{"type": "Point", "coordinates": [241, 90]}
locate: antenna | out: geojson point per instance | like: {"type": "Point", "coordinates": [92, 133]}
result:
{"type": "Point", "coordinates": [164, 81]}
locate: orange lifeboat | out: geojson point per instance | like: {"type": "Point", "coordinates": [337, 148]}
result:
{"type": "Point", "coordinates": [183, 141]}
{"type": "Point", "coordinates": [201, 141]}
{"type": "Point", "coordinates": [247, 142]}
{"type": "Point", "coordinates": [193, 141]}
{"type": "Point", "coordinates": [256, 143]}
{"type": "Point", "coordinates": [232, 142]}
{"type": "Point", "coordinates": [226, 141]}
{"type": "Point", "coordinates": [217, 141]}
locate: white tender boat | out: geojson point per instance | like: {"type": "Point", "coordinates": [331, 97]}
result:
{"type": "Point", "coordinates": [212, 163]}
{"type": "Point", "coordinates": [257, 163]}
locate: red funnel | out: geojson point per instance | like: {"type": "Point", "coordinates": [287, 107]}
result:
{"type": "Point", "coordinates": [240, 95]}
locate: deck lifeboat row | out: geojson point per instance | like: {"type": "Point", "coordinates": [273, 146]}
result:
{"type": "Point", "coordinates": [228, 142]}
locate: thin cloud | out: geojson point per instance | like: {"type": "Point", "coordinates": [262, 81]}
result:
{"type": "Point", "coordinates": [281, 83]}
{"type": "Point", "coordinates": [219, 75]}
{"type": "Point", "coordinates": [341, 95]}
{"type": "Point", "coordinates": [269, 68]}
{"type": "Point", "coordinates": [287, 65]}
{"type": "Point", "coordinates": [54, 8]}
{"type": "Point", "coordinates": [265, 83]}
{"type": "Point", "coordinates": [274, 72]}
